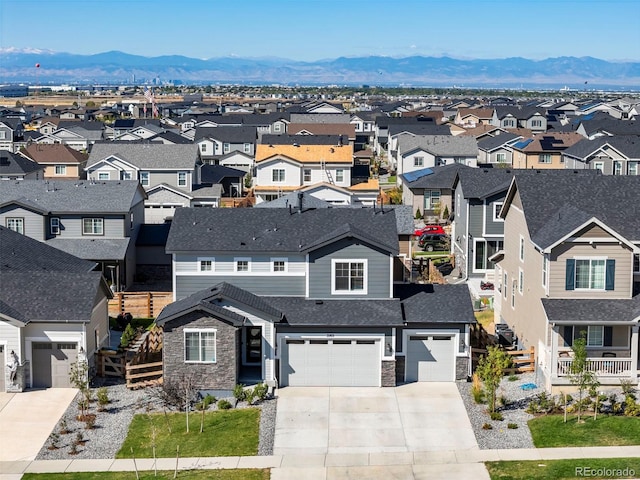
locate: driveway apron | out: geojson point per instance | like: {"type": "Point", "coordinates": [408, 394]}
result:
{"type": "Point", "coordinates": [417, 417]}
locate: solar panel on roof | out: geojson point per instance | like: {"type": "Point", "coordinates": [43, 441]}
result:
{"type": "Point", "coordinates": [413, 176]}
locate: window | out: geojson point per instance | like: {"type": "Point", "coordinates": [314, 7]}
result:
{"type": "Point", "coordinates": [92, 226]}
{"type": "Point", "coordinates": [226, 147]}
{"type": "Point", "coordinates": [536, 123]}
{"type": "Point", "coordinates": [632, 168]}
{"type": "Point", "coordinates": [206, 264]}
{"type": "Point", "coordinates": [520, 281]}
{"type": "Point", "coordinates": [216, 147]}
{"type": "Point", "coordinates": [460, 160]}
{"type": "Point", "coordinates": [595, 336]}
{"type": "Point", "coordinates": [598, 166]}
{"type": "Point", "coordinates": [418, 161]}
{"type": "Point", "coordinates": [242, 264]}
{"type": "Point", "coordinates": [16, 224]}
{"type": "Point", "coordinates": [340, 175]}
{"type": "Point", "coordinates": [509, 122]}
{"type": "Point", "coordinates": [3, 135]}
{"type": "Point", "coordinates": [277, 175]}
{"type": "Point", "coordinates": [513, 294]}
{"type": "Point", "coordinates": [349, 276]}
{"type": "Point", "coordinates": [276, 127]}
{"type": "Point", "coordinates": [54, 225]}
{"type": "Point", "coordinates": [131, 221]}
{"type": "Point", "coordinates": [521, 248]}
{"type": "Point", "coordinates": [278, 264]}
{"type": "Point", "coordinates": [545, 270]}
{"type": "Point", "coordinates": [306, 175]}
{"type": "Point", "coordinates": [125, 175]}
{"type": "Point", "coordinates": [501, 157]}
{"type": "Point", "coordinates": [544, 158]}
{"type": "Point", "coordinates": [182, 179]}
{"type": "Point", "coordinates": [103, 176]}
{"type": "Point", "coordinates": [61, 170]}
{"type": "Point", "coordinates": [617, 167]}
{"type": "Point", "coordinates": [200, 346]}
{"type": "Point", "coordinates": [504, 283]}
{"type": "Point", "coordinates": [497, 206]}
{"type": "Point", "coordinates": [636, 263]}
{"type": "Point", "coordinates": [144, 179]}
{"type": "Point", "coordinates": [247, 148]}
{"type": "Point", "coordinates": [590, 274]}
{"type": "Point", "coordinates": [431, 199]}
{"type": "Point", "coordinates": [203, 147]}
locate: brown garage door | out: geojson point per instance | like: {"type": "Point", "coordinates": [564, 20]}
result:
{"type": "Point", "coordinates": [51, 363]}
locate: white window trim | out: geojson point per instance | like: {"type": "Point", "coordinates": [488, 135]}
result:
{"type": "Point", "coordinates": [284, 175]}
{"type": "Point", "coordinates": [514, 286]}
{"type": "Point", "coordinates": [545, 271]}
{"type": "Point", "coordinates": [505, 284]}
{"type": "Point", "coordinates": [340, 173]}
{"type": "Point", "coordinates": [241, 259]}
{"type": "Point", "coordinates": [365, 281]}
{"type": "Point", "coordinates": [279, 259]}
{"type": "Point", "coordinates": [206, 259]}
{"type": "Point", "coordinates": [497, 206]}
{"type": "Point", "coordinates": [247, 148]}
{"type": "Point", "coordinates": [186, 181]}
{"type": "Point", "coordinates": [598, 166]}
{"type": "Point", "coordinates": [55, 220]}
{"type": "Point", "coordinates": [520, 281]}
{"type": "Point", "coordinates": [148, 181]}
{"type": "Point", "coordinates": [62, 167]}
{"type": "Point", "coordinates": [418, 161]}
{"type": "Point", "coordinates": [108, 174]}
{"type": "Point", "coordinates": [304, 175]}
{"type": "Point", "coordinates": [521, 249]}
{"type": "Point", "coordinates": [19, 220]}
{"type": "Point", "coordinates": [601, 327]}
{"type": "Point", "coordinates": [575, 274]}
{"type": "Point", "coordinates": [200, 330]}
{"type": "Point", "coordinates": [91, 233]}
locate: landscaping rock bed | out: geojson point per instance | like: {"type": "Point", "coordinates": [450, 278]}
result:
{"type": "Point", "coordinates": [111, 426]}
{"type": "Point", "coordinates": [500, 436]}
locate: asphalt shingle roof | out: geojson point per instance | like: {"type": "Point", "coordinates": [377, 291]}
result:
{"type": "Point", "coordinates": [67, 196]}
{"type": "Point", "coordinates": [490, 143]}
{"type": "Point", "coordinates": [443, 176]}
{"type": "Point", "coordinates": [227, 134]}
{"type": "Point", "coordinates": [93, 248]}
{"type": "Point", "coordinates": [269, 139]}
{"type": "Point", "coordinates": [147, 156]}
{"type": "Point", "coordinates": [14, 164]}
{"type": "Point", "coordinates": [628, 145]}
{"type": "Point", "coordinates": [590, 310]}
{"type": "Point", "coordinates": [439, 145]}
{"type": "Point", "coordinates": [435, 303]}
{"type": "Point", "coordinates": [483, 182]}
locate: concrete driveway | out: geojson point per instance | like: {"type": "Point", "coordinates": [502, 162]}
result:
{"type": "Point", "coordinates": [27, 419]}
{"type": "Point", "coordinates": [417, 417]}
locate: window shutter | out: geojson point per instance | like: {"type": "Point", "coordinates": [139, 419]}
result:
{"type": "Point", "coordinates": [568, 335]}
{"type": "Point", "coordinates": [570, 278]}
{"type": "Point", "coordinates": [609, 282]}
{"type": "Point", "coordinates": [608, 336]}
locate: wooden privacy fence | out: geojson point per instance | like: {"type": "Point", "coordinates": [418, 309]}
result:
{"type": "Point", "coordinates": [523, 360]}
{"type": "Point", "coordinates": [110, 364]}
{"type": "Point", "coordinates": [139, 304]}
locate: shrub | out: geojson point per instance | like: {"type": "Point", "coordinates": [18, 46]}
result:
{"type": "Point", "coordinates": [260, 391]}
{"type": "Point", "coordinates": [632, 408]}
{"type": "Point", "coordinates": [64, 428]}
{"type": "Point", "coordinates": [628, 387]}
{"type": "Point", "coordinates": [250, 396]}
{"type": "Point", "coordinates": [418, 214]}
{"type": "Point", "coordinates": [239, 392]}
{"type": "Point", "coordinates": [89, 421]}
{"type": "Point", "coordinates": [512, 377]}
{"type": "Point", "coordinates": [223, 404]}
{"type": "Point", "coordinates": [487, 426]}
{"type": "Point", "coordinates": [54, 440]}
{"type": "Point", "coordinates": [496, 416]}
{"type": "Point", "coordinates": [512, 426]}
{"type": "Point", "coordinates": [206, 401]}
{"type": "Point", "coordinates": [503, 400]}
{"type": "Point", "coordinates": [476, 389]}
{"type": "Point", "coordinates": [103, 398]}
{"type": "Point", "coordinates": [445, 212]}
{"type": "Point", "coordinates": [128, 336]}
{"type": "Point", "coordinates": [80, 440]}
{"type": "Point", "coordinates": [74, 449]}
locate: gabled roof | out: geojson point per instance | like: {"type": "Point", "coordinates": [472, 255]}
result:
{"type": "Point", "coordinates": [308, 202]}
{"type": "Point", "coordinates": [216, 173]}
{"type": "Point", "coordinates": [307, 153]}
{"type": "Point", "coordinates": [491, 143]}
{"type": "Point", "coordinates": [422, 128]}
{"type": "Point", "coordinates": [208, 300]}
{"type": "Point", "coordinates": [589, 311]}
{"type": "Point", "coordinates": [14, 164]}
{"type": "Point", "coordinates": [550, 142]}
{"type": "Point", "coordinates": [171, 138]}
{"type": "Point", "coordinates": [521, 113]}
{"type": "Point", "coordinates": [286, 139]}
{"type": "Point", "coordinates": [441, 176]}
{"type": "Point", "coordinates": [146, 156]}
{"type": "Point", "coordinates": [320, 118]}
{"type": "Point", "coordinates": [56, 153]}
{"type": "Point", "coordinates": [483, 182]}
{"type": "Point", "coordinates": [435, 303]}
{"type": "Point", "coordinates": [274, 229]}
{"type": "Point", "coordinates": [227, 134]}
{"type": "Point", "coordinates": [346, 129]}
{"type": "Point", "coordinates": [99, 249]}
{"type": "Point", "coordinates": [557, 202]}
{"type": "Point", "coordinates": [438, 145]}
{"type": "Point", "coordinates": [73, 196]}
{"type": "Point", "coordinates": [627, 145]}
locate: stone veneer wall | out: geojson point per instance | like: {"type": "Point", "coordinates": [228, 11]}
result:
{"type": "Point", "coordinates": [388, 373]}
{"type": "Point", "coordinates": [462, 368]}
{"type": "Point", "coordinates": [221, 375]}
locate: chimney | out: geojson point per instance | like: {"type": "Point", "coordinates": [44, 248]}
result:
{"type": "Point", "coordinates": [300, 196]}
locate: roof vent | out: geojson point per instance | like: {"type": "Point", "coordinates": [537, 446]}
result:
{"type": "Point", "coordinates": [319, 302]}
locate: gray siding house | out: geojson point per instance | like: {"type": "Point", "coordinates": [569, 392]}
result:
{"type": "Point", "coordinates": [295, 296]}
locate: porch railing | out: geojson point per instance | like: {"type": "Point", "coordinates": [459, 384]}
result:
{"type": "Point", "coordinates": [601, 366]}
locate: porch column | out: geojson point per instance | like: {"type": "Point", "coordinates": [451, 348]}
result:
{"type": "Point", "coordinates": [634, 351]}
{"type": "Point", "coordinates": [554, 351]}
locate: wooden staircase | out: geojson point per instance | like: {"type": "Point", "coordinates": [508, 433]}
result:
{"type": "Point", "coordinates": [144, 360]}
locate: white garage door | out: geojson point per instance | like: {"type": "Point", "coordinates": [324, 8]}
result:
{"type": "Point", "coordinates": [431, 358]}
{"type": "Point", "coordinates": [51, 364]}
{"type": "Point", "coordinates": [334, 363]}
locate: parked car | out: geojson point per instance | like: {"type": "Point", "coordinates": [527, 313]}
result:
{"type": "Point", "coordinates": [429, 229]}
{"type": "Point", "coordinates": [433, 241]}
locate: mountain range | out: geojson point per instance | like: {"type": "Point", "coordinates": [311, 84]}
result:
{"type": "Point", "coordinates": [19, 66]}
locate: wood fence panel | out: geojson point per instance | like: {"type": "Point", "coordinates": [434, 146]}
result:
{"type": "Point", "coordinates": [139, 304]}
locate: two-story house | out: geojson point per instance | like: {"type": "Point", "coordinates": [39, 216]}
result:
{"type": "Point", "coordinates": [14, 166]}
{"type": "Point", "coordinates": [509, 117]}
{"type": "Point", "coordinates": [497, 150]}
{"type": "Point", "coordinates": [93, 220]}
{"type": "Point", "coordinates": [295, 296]}
{"type": "Point", "coordinates": [543, 150]}
{"type": "Point", "coordinates": [11, 133]}
{"type": "Point", "coordinates": [571, 267]}
{"type": "Point", "coordinates": [168, 173]}
{"type": "Point", "coordinates": [214, 143]}
{"type": "Point", "coordinates": [60, 162]}
{"type": "Point", "coordinates": [616, 155]}
{"type": "Point", "coordinates": [54, 311]}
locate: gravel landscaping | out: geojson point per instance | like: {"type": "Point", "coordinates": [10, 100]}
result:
{"type": "Point", "coordinates": [500, 436]}
{"type": "Point", "coordinates": [112, 425]}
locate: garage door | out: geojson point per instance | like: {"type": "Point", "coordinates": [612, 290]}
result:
{"type": "Point", "coordinates": [51, 363]}
{"type": "Point", "coordinates": [431, 358]}
{"type": "Point", "coordinates": [334, 363]}
{"type": "Point", "coordinates": [2, 369]}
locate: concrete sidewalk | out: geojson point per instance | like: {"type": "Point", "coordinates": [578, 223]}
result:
{"type": "Point", "coordinates": [444, 464]}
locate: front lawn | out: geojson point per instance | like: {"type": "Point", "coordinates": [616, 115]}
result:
{"type": "Point", "coordinates": [226, 433]}
{"type": "Point", "coordinates": [240, 474]}
{"type": "Point", "coordinates": [564, 469]}
{"type": "Point", "coordinates": [550, 431]}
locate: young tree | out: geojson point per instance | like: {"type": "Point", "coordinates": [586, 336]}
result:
{"type": "Point", "coordinates": [580, 375]}
{"type": "Point", "coordinates": [79, 378]}
{"type": "Point", "coordinates": [491, 370]}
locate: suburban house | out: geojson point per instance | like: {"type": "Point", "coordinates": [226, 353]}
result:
{"type": "Point", "coordinates": [60, 162]}
{"type": "Point", "coordinates": [14, 166]}
{"type": "Point", "coordinates": [497, 150]}
{"type": "Point", "coordinates": [168, 173]}
{"type": "Point", "coordinates": [416, 152]}
{"type": "Point", "coordinates": [11, 133]}
{"type": "Point", "coordinates": [571, 266]}
{"type": "Point", "coordinates": [603, 125]}
{"type": "Point", "coordinates": [295, 296]}
{"type": "Point", "coordinates": [618, 155]}
{"type": "Point", "coordinates": [346, 131]}
{"type": "Point", "coordinates": [96, 221]}
{"type": "Point", "coordinates": [53, 311]}
{"type": "Point", "coordinates": [215, 142]}
{"type": "Point", "coordinates": [364, 123]}
{"type": "Point", "coordinates": [543, 150]}
{"type": "Point", "coordinates": [472, 117]}
{"type": "Point", "coordinates": [76, 134]}
{"type": "Point", "coordinates": [509, 117]}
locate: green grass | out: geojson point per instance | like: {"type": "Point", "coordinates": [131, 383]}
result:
{"type": "Point", "coordinates": [550, 431]}
{"type": "Point", "coordinates": [240, 474]}
{"type": "Point", "coordinates": [560, 469]}
{"type": "Point", "coordinates": [226, 433]}
{"type": "Point", "coordinates": [441, 253]}
{"type": "Point", "coordinates": [484, 317]}
{"type": "Point", "coordinates": [392, 179]}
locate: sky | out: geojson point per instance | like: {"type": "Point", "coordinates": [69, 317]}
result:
{"type": "Point", "coordinates": [309, 30]}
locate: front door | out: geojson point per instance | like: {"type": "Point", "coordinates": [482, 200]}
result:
{"type": "Point", "coordinates": [253, 345]}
